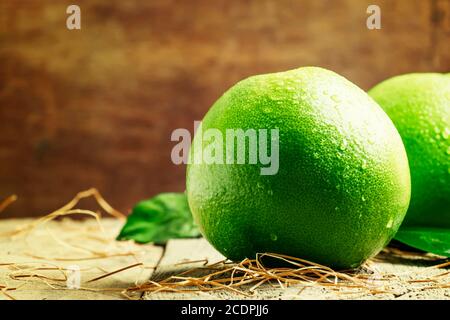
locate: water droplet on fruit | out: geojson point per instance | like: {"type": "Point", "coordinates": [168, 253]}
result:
{"type": "Point", "coordinates": [335, 98]}
{"type": "Point", "coordinates": [344, 144]}
{"type": "Point", "coordinates": [363, 198]}
{"type": "Point", "coordinates": [273, 237]}
{"type": "Point", "coordinates": [275, 98]}
{"type": "Point", "coordinates": [446, 133]}
{"type": "Point", "coordinates": [336, 209]}
{"type": "Point", "coordinates": [364, 164]}
{"type": "Point", "coordinates": [390, 223]}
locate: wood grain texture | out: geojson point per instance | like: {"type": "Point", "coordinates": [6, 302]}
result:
{"type": "Point", "coordinates": [402, 283]}
{"type": "Point", "coordinates": [67, 243]}
{"type": "Point", "coordinates": [63, 245]}
{"type": "Point", "coordinates": [96, 107]}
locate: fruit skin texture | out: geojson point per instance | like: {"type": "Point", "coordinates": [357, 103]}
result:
{"type": "Point", "coordinates": [419, 106]}
{"type": "Point", "coordinates": [343, 185]}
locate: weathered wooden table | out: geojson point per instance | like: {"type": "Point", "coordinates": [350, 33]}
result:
{"type": "Point", "coordinates": [79, 260]}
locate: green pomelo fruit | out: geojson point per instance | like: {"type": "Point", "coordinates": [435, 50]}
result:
{"type": "Point", "coordinates": [419, 106]}
{"type": "Point", "coordinates": [343, 184]}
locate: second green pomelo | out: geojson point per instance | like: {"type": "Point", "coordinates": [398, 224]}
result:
{"type": "Point", "coordinates": [419, 106]}
{"type": "Point", "coordinates": [343, 184]}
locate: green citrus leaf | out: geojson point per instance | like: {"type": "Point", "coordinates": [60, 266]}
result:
{"type": "Point", "coordinates": [163, 217]}
{"type": "Point", "coordinates": [433, 240]}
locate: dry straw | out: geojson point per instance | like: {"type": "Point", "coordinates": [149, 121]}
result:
{"type": "Point", "coordinates": [6, 202]}
{"type": "Point", "coordinates": [243, 278]}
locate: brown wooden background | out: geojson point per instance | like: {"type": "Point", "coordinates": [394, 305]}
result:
{"type": "Point", "coordinates": [96, 107]}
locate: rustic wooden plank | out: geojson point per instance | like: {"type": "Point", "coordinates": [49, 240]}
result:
{"type": "Point", "coordinates": [178, 251]}
{"type": "Point", "coordinates": [63, 240]}
{"type": "Point", "coordinates": [182, 251]}
{"type": "Point", "coordinates": [51, 243]}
